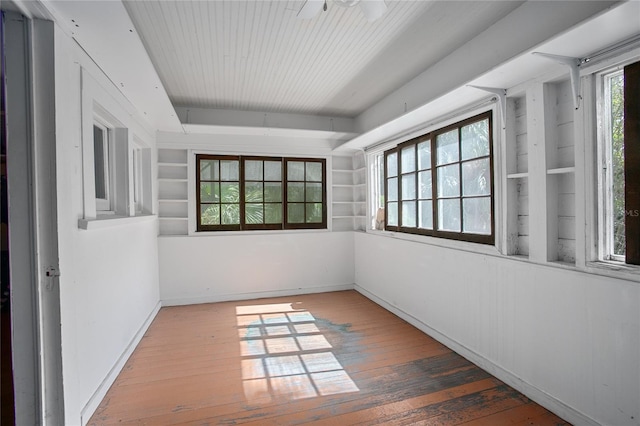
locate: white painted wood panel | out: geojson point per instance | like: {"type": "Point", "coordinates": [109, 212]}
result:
{"type": "Point", "coordinates": [241, 266]}
{"type": "Point", "coordinates": [109, 279]}
{"type": "Point", "coordinates": [565, 338]}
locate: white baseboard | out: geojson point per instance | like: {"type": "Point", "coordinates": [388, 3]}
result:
{"type": "Point", "coordinates": [253, 295]}
{"type": "Point", "coordinates": [539, 396]}
{"type": "Point", "coordinates": [90, 407]}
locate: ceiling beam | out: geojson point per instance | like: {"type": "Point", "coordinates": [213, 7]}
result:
{"type": "Point", "coordinates": [202, 120]}
{"type": "Point", "coordinates": [522, 30]}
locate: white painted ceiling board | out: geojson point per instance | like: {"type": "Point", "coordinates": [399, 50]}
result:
{"type": "Point", "coordinates": [258, 56]}
{"type": "Point", "coordinates": [105, 32]}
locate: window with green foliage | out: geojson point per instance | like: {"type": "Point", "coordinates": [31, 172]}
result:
{"type": "Point", "coordinates": [620, 196]}
{"type": "Point", "coordinates": [441, 183]}
{"type": "Point", "coordinates": [251, 193]}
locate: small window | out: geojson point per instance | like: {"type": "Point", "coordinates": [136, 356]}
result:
{"type": "Point", "coordinates": [137, 177]}
{"type": "Point", "coordinates": [441, 183]}
{"type": "Point", "coordinates": [620, 189]}
{"type": "Point", "coordinates": [251, 193]}
{"type": "Point", "coordinates": [101, 167]}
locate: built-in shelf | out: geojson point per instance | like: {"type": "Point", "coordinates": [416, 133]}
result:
{"type": "Point", "coordinates": [165, 164]}
{"type": "Point", "coordinates": [172, 191]}
{"type": "Point", "coordinates": [561, 170]}
{"type": "Point", "coordinates": [518, 175]}
{"type": "Point", "coordinates": [348, 193]}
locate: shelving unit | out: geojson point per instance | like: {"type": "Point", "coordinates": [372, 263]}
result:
{"type": "Point", "coordinates": [348, 204]}
{"type": "Point", "coordinates": [172, 191]}
{"type": "Point", "coordinates": [540, 165]}
{"type": "Point", "coordinates": [517, 178]}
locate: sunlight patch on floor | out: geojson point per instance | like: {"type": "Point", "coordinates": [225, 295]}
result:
{"type": "Point", "coordinates": [286, 355]}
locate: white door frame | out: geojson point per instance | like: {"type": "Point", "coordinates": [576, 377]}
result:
{"type": "Point", "coordinates": [33, 240]}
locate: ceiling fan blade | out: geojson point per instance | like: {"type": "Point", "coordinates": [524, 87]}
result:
{"type": "Point", "coordinates": [310, 8]}
{"type": "Point", "coordinates": [373, 9]}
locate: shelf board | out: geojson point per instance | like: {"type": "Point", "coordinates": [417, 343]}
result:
{"type": "Point", "coordinates": [342, 185]}
{"type": "Point", "coordinates": [172, 164]}
{"type": "Point", "coordinates": [172, 180]}
{"type": "Point", "coordinates": [358, 216]}
{"type": "Point", "coordinates": [561, 170]}
{"type": "Point", "coordinates": [518, 175]}
{"type": "Point", "coordinates": [172, 218]}
{"type": "Point", "coordinates": [172, 200]}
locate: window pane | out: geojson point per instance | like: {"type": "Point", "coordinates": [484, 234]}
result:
{"type": "Point", "coordinates": [409, 187]}
{"type": "Point", "coordinates": [424, 182]}
{"type": "Point", "coordinates": [409, 214]}
{"type": "Point", "coordinates": [392, 189]}
{"type": "Point", "coordinates": [449, 181]}
{"type": "Point", "coordinates": [295, 191]}
{"type": "Point", "coordinates": [392, 164]}
{"type": "Point", "coordinates": [295, 212]}
{"type": "Point", "coordinates": [449, 215]}
{"type": "Point", "coordinates": [476, 177]}
{"type": "Point", "coordinates": [253, 192]}
{"type": "Point", "coordinates": [447, 147]}
{"type": "Point", "coordinates": [424, 155]}
{"type": "Point", "coordinates": [314, 172]}
{"type": "Point", "coordinates": [475, 140]}
{"type": "Point", "coordinates": [273, 170]}
{"type": "Point", "coordinates": [615, 102]}
{"type": "Point", "coordinates": [477, 215]}
{"type": "Point", "coordinates": [210, 214]}
{"type": "Point", "coordinates": [253, 213]}
{"type": "Point", "coordinates": [99, 162]}
{"type": "Point", "coordinates": [314, 192]}
{"type": "Point", "coordinates": [230, 192]}
{"type": "Point", "coordinates": [209, 170]}
{"type": "Point", "coordinates": [209, 192]}
{"type": "Point", "coordinates": [230, 214]}
{"type": "Point", "coordinates": [229, 170]}
{"type": "Point", "coordinates": [272, 192]}
{"type": "Point", "coordinates": [408, 159]}
{"type": "Point", "coordinates": [425, 214]}
{"type": "Point", "coordinates": [392, 214]}
{"type": "Point", "coordinates": [253, 170]}
{"type": "Point", "coordinates": [273, 213]}
{"type": "Point", "coordinates": [314, 212]}
{"type": "Point", "coordinates": [295, 170]}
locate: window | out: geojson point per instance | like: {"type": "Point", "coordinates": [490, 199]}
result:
{"type": "Point", "coordinates": [252, 193]}
{"type": "Point", "coordinates": [116, 159]}
{"type": "Point", "coordinates": [101, 166]}
{"type": "Point", "coordinates": [620, 179]}
{"type": "Point", "coordinates": [441, 183]}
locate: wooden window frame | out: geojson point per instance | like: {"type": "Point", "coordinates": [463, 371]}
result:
{"type": "Point", "coordinates": [435, 232]}
{"type": "Point", "coordinates": [243, 226]}
{"type": "Point", "coordinates": [632, 162]}
{"type": "Point", "coordinates": [103, 205]}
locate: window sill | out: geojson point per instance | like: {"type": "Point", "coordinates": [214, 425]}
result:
{"type": "Point", "coordinates": [486, 249]}
{"type": "Point", "coordinates": [245, 233]}
{"type": "Point", "coordinates": [614, 269]}
{"type": "Point", "coordinates": [109, 221]}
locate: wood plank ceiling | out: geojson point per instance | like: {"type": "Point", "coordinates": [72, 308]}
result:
{"type": "Point", "coordinates": [258, 56]}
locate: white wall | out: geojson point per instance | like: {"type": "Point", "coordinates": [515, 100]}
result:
{"type": "Point", "coordinates": [109, 277]}
{"type": "Point", "coordinates": [247, 265]}
{"type": "Point", "coordinates": [569, 339]}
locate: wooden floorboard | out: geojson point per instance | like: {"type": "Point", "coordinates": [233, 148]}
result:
{"type": "Point", "coordinates": [324, 359]}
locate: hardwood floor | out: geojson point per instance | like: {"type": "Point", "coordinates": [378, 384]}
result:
{"type": "Point", "coordinates": [326, 359]}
